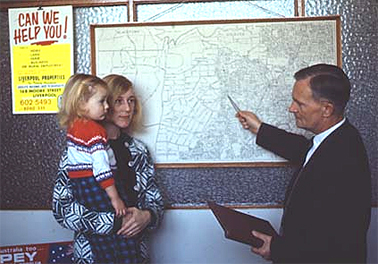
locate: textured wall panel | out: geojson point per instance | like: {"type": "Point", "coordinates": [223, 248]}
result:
{"type": "Point", "coordinates": [31, 144]}
{"type": "Point", "coordinates": [84, 17]}
{"type": "Point", "coordinates": [359, 30]}
{"type": "Point", "coordinates": [215, 10]}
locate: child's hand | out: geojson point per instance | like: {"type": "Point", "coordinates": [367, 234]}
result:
{"type": "Point", "coordinates": [119, 207]}
{"type": "Point", "coordinates": [116, 201]}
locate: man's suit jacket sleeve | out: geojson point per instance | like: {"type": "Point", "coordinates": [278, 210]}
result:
{"type": "Point", "coordinates": [290, 146]}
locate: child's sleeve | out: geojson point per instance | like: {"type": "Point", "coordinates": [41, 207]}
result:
{"type": "Point", "coordinates": [103, 167]}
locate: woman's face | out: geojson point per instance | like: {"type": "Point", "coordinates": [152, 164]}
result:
{"type": "Point", "coordinates": [123, 110]}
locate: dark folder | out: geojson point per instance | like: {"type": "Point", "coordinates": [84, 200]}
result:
{"type": "Point", "coordinates": [238, 226]}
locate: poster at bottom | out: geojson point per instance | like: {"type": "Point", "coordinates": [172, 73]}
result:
{"type": "Point", "coordinates": [59, 252]}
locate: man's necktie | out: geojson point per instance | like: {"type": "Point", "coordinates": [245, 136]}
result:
{"type": "Point", "coordinates": [310, 151]}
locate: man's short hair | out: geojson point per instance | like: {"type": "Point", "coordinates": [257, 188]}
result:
{"type": "Point", "coordinates": [327, 82]}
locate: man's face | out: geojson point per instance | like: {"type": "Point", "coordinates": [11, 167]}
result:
{"type": "Point", "coordinates": [307, 110]}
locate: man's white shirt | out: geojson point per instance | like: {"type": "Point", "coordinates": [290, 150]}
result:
{"type": "Point", "coordinates": [319, 138]}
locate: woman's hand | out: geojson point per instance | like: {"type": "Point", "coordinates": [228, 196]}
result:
{"type": "Point", "coordinates": [134, 222]}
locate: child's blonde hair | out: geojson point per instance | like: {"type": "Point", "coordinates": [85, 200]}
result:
{"type": "Point", "coordinates": [78, 89]}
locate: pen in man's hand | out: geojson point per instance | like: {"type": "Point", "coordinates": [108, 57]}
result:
{"type": "Point", "coordinates": [236, 107]}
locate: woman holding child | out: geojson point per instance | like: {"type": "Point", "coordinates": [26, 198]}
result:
{"type": "Point", "coordinates": [134, 177]}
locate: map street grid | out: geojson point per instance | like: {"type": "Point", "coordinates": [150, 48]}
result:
{"type": "Point", "coordinates": [183, 74]}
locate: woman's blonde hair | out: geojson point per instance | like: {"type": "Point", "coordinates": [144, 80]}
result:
{"type": "Point", "coordinates": [78, 89]}
{"type": "Point", "coordinates": [119, 85]}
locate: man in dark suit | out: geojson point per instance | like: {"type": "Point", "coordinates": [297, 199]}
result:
{"type": "Point", "coordinates": [328, 201]}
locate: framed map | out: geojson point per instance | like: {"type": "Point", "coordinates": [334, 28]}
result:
{"type": "Point", "coordinates": [184, 71]}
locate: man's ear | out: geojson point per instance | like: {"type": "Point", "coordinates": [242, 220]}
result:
{"type": "Point", "coordinates": [328, 108]}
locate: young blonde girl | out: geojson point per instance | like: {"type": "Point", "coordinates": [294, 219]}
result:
{"type": "Point", "coordinates": [84, 104]}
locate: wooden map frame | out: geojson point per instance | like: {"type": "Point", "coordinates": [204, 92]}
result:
{"type": "Point", "coordinates": [95, 62]}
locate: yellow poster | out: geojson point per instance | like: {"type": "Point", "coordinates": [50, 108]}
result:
{"type": "Point", "coordinates": [41, 44]}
